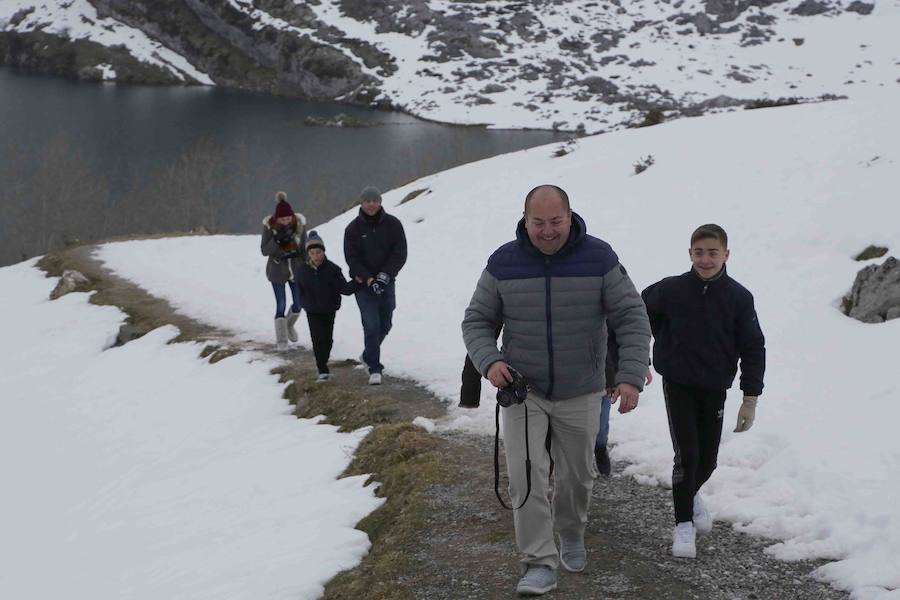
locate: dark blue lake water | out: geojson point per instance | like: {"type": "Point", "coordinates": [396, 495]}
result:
{"type": "Point", "coordinates": [149, 150]}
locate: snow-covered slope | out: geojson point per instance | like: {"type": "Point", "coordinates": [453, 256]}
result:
{"type": "Point", "coordinates": [599, 65]}
{"type": "Point", "coordinates": [576, 65]}
{"type": "Point", "coordinates": [145, 472]}
{"type": "Point", "coordinates": [799, 189]}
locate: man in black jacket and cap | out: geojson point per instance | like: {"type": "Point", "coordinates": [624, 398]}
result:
{"type": "Point", "coordinates": [375, 250]}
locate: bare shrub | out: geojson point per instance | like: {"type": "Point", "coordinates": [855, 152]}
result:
{"type": "Point", "coordinates": [643, 164]}
{"type": "Point", "coordinates": [50, 201]}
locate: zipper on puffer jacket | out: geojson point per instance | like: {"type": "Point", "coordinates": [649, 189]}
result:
{"type": "Point", "coordinates": [549, 326]}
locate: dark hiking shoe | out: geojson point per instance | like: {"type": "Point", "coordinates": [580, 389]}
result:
{"type": "Point", "coordinates": [603, 465]}
{"type": "Point", "coordinates": [470, 395]}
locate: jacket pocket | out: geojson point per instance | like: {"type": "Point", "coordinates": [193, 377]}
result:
{"type": "Point", "coordinates": [595, 352]}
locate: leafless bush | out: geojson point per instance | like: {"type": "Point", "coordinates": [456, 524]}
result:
{"type": "Point", "coordinates": [53, 200]}
{"type": "Point", "coordinates": [643, 164]}
{"type": "Point", "coordinates": [56, 197]}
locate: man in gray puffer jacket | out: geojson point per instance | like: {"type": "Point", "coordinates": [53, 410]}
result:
{"type": "Point", "coordinates": [553, 290]}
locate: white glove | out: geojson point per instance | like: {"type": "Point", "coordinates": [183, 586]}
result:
{"type": "Point", "coordinates": [746, 414]}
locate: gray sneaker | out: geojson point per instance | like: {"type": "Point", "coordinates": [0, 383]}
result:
{"type": "Point", "coordinates": [537, 580]}
{"type": "Point", "coordinates": [572, 554]}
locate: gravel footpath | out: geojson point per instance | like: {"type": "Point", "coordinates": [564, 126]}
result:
{"type": "Point", "coordinates": [468, 549]}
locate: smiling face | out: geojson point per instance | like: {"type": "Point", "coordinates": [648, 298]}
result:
{"type": "Point", "coordinates": [548, 221]}
{"type": "Point", "coordinates": [284, 221]}
{"type": "Point", "coordinates": [708, 255]}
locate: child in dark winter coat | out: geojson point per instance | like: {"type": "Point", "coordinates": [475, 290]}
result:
{"type": "Point", "coordinates": [283, 237]}
{"type": "Point", "coordinates": [703, 322]}
{"type": "Point", "coordinates": [321, 286]}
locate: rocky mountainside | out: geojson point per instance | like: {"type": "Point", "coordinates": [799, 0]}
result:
{"type": "Point", "coordinates": [586, 65]}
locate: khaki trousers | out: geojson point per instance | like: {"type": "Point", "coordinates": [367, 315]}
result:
{"type": "Point", "coordinates": [573, 424]}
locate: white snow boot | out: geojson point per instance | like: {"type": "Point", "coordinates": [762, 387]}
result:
{"type": "Point", "coordinates": [291, 319]}
{"type": "Point", "coordinates": [281, 333]}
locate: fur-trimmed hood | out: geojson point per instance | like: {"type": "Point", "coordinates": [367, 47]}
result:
{"type": "Point", "coordinates": [299, 216]}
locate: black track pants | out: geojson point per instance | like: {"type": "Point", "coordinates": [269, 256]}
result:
{"type": "Point", "coordinates": [321, 330]}
{"type": "Point", "coordinates": [695, 424]}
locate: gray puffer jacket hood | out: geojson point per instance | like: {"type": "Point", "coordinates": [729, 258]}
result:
{"type": "Point", "coordinates": [554, 310]}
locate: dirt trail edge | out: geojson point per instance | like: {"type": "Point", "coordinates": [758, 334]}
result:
{"type": "Point", "coordinates": [440, 533]}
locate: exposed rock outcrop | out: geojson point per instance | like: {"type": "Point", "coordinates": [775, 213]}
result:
{"type": "Point", "coordinates": [70, 281]}
{"type": "Point", "coordinates": [875, 296]}
{"type": "Point", "coordinates": [78, 59]}
{"type": "Point", "coordinates": [234, 50]}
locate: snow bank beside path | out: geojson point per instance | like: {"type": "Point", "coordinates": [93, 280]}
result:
{"type": "Point", "coordinates": [143, 471]}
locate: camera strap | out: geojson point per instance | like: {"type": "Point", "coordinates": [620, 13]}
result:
{"type": "Point", "coordinates": [497, 459]}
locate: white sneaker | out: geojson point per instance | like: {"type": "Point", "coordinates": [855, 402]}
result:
{"type": "Point", "coordinates": [375, 379]}
{"type": "Point", "coordinates": [703, 522]}
{"type": "Point", "coordinates": [684, 540]}
{"type": "Point", "coordinates": [362, 364]}
{"type": "Point", "coordinates": [323, 377]}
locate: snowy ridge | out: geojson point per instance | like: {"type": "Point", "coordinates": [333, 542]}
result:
{"type": "Point", "coordinates": [800, 191]}
{"type": "Point", "coordinates": [78, 19]}
{"type": "Point", "coordinates": [600, 65]}
{"type": "Point", "coordinates": [582, 65]}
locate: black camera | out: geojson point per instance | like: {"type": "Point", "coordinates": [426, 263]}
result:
{"type": "Point", "coordinates": [514, 392]}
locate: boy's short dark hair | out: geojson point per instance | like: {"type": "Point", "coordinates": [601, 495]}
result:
{"type": "Point", "coordinates": [710, 230]}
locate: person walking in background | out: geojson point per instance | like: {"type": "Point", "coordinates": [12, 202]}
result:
{"type": "Point", "coordinates": [283, 238]}
{"type": "Point", "coordinates": [321, 286]}
{"type": "Point", "coordinates": [375, 251]}
{"type": "Point", "coordinates": [601, 452]}
{"type": "Point", "coordinates": [552, 290]}
{"type": "Point", "coordinates": [703, 322]}
{"type": "Point", "coordinates": [470, 391]}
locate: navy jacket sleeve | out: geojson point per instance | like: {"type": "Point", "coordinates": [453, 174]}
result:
{"type": "Point", "coordinates": [353, 252]}
{"type": "Point", "coordinates": [752, 349]}
{"type": "Point", "coordinates": [397, 257]}
{"type": "Point", "coordinates": [345, 287]}
{"type": "Point", "coordinates": [652, 300]}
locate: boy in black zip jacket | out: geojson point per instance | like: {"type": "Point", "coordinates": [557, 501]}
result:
{"type": "Point", "coordinates": [321, 285]}
{"type": "Point", "coordinates": [703, 322]}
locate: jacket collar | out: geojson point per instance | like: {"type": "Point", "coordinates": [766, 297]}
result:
{"type": "Point", "coordinates": [374, 219]}
{"type": "Point", "coordinates": [577, 233]}
{"type": "Point", "coordinates": [719, 278]}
